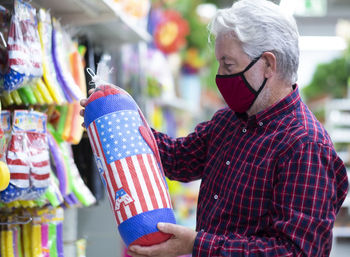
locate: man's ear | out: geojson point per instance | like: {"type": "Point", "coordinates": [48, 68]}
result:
{"type": "Point", "coordinates": [270, 64]}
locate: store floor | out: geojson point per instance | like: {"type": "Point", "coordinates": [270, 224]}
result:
{"type": "Point", "coordinates": [97, 225]}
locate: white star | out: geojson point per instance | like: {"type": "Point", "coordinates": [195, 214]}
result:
{"type": "Point", "coordinates": [109, 123]}
{"type": "Point", "coordinates": [140, 143]}
{"type": "Point", "coordinates": [106, 118]}
{"type": "Point", "coordinates": [132, 138]}
{"type": "Point", "coordinates": [133, 118]}
{"type": "Point", "coordinates": [112, 136]}
{"type": "Point", "coordinates": [111, 157]}
{"type": "Point", "coordinates": [102, 133]}
{"type": "Point", "coordinates": [126, 118]}
{"type": "Point", "coordinates": [123, 113]}
{"type": "Point", "coordinates": [124, 146]}
{"type": "Point", "coordinates": [129, 112]}
{"type": "Point", "coordinates": [116, 142]}
{"type": "Point", "coordinates": [143, 149]}
{"type": "Point", "coordinates": [127, 152]}
{"type": "Point", "coordinates": [115, 149]}
{"type": "Point", "coordinates": [132, 145]}
{"type": "Point", "coordinates": [124, 140]}
{"type": "Point", "coordinates": [119, 154]}
{"type": "Point", "coordinates": [128, 132]}
{"type": "Point", "coordinates": [99, 121]}
{"type": "Point", "coordinates": [104, 140]}
{"type": "Point", "coordinates": [110, 130]}
{"type": "Point", "coordinates": [126, 125]}
{"type": "Point", "coordinates": [118, 120]}
{"type": "Point", "coordinates": [114, 115]}
{"type": "Point", "coordinates": [118, 127]}
{"type": "Point", "coordinates": [119, 133]}
{"type": "Point", "coordinates": [107, 145]}
{"type": "Point", "coordinates": [136, 150]}
{"type": "Point", "coordinates": [133, 124]}
{"type": "Point", "coordinates": [102, 126]}
{"type": "Point", "coordinates": [108, 152]}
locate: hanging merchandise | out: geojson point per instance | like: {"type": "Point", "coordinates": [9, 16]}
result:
{"type": "Point", "coordinates": [77, 69]}
{"type": "Point", "coordinates": [87, 168]}
{"type": "Point", "coordinates": [129, 163]}
{"type": "Point", "coordinates": [75, 181]}
{"type": "Point", "coordinates": [23, 60]}
{"type": "Point", "coordinates": [31, 233]}
{"type": "Point", "coordinates": [27, 157]}
{"type": "Point", "coordinates": [61, 63]}
{"type": "Point", "coordinates": [50, 76]}
{"type": "Point", "coordinates": [5, 130]}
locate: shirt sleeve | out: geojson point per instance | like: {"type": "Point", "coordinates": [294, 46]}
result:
{"type": "Point", "coordinates": [184, 158]}
{"type": "Point", "coordinates": [309, 187]}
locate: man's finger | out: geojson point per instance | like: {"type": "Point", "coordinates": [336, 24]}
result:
{"type": "Point", "coordinates": [91, 90]}
{"type": "Point", "coordinates": [133, 254]}
{"type": "Point", "coordinates": [83, 102]}
{"type": "Point", "coordinates": [169, 228]}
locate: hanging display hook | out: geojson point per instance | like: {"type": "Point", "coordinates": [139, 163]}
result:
{"type": "Point", "coordinates": [17, 221]}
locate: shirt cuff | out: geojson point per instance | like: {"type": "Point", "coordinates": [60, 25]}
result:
{"type": "Point", "coordinates": [204, 244]}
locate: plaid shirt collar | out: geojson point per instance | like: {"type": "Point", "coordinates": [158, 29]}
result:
{"type": "Point", "coordinates": [279, 109]}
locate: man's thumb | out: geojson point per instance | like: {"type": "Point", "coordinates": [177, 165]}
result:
{"type": "Point", "coordinates": [168, 228]}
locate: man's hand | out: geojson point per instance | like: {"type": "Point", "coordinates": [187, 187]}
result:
{"type": "Point", "coordinates": [180, 243]}
{"type": "Point", "coordinates": [83, 104]}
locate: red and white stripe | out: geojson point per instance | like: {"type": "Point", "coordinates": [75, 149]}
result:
{"type": "Point", "coordinates": [138, 175]}
{"type": "Point", "coordinates": [17, 162]}
{"type": "Point", "coordinates": [40, 169]}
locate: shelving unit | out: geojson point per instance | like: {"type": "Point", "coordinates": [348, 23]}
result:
{"type": "Point", "coordinates": [98, 18]}
{"type": "Point", "coordinates": [338, 126]}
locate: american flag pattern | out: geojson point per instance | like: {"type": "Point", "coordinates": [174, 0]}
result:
{"type": "Point", "coordinates": [127, 164]}
{"type": "Point", "coordinates": [27, 154]}
{"type": "Point", "coordinates": [24, 50]}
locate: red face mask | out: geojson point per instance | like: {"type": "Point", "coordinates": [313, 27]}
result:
{"type": "Point", "coordinates": [236, 90]}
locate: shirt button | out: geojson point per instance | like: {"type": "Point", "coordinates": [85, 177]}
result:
{"type": "Point", "coordinates": [228, 163]}
{"type": "Point", "coordinates": [202, 230]}
{"type": "Point", "coordinates": [216, 197]}
{"type": "Point", "coordinates": [261, 124]}
{"type": "Point", "coordinates": [244, 130]}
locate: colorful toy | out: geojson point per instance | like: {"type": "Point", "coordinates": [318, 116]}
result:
{"type": "Point", "coordinates": [50, 77]}
{"type": "Point", "coordinates": [129, 163]}
{"type": "Point", "coordinates": [61, 63]}
{"type": "Point", "coordinates": [24, 53]}
{"type": "Point", "coordinates": [27, 157]}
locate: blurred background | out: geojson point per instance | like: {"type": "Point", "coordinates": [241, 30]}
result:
{"type": "Point", "coordinates": [160, 53]}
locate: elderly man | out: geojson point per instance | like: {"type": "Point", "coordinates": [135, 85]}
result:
{"type": "Point", "coordinates": [271, 181]}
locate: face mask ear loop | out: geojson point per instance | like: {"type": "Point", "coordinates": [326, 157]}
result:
{"type": "Point", "coordinates": [251, 64]}
{"type": "Point", "coordinates": [262, 86]}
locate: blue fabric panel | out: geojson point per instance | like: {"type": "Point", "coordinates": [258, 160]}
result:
{"type": "Point", "coordinates": [108, 104]}
{"type": "Point", "coordinates": [144, 224]}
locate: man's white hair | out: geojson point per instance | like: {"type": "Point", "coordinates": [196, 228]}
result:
{"type": "Point", "coordinates": [262, 26]}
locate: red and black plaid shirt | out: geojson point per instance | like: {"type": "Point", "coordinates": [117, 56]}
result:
{"type": "Point", "coordinates": [271, 185]}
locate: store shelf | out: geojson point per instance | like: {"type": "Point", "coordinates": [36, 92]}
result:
{"type": "Point", "coordinates": [341, 231]}
{"type": "Point", "coordinates": [340, 135]}
{"type": "Point", "coordinates": [176, 103]}
{"type": "Point", "coordinates": [345, 156]}
{"type": "Point", "coordinates": [103, 23]}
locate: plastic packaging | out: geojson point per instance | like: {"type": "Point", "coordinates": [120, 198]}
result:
{"type": "Point", "coordinates": [45, 33]}
{"type": "Point", "coordinates": [129, 163]}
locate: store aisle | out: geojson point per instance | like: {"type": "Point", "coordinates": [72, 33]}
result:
{"type": "Point", "coordinates": [98, 226]}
